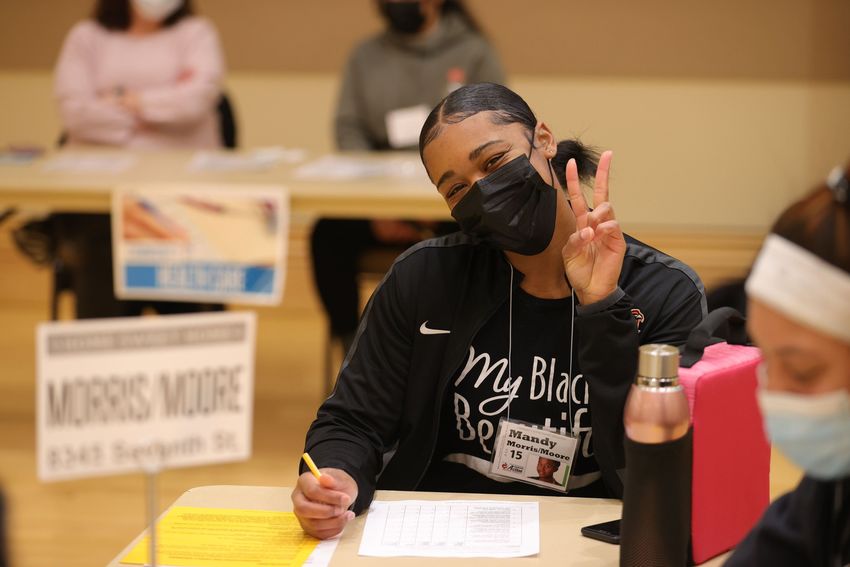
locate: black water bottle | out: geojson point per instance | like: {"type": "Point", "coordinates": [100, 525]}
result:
{"type": "Point", "coordinates": [655, 530]}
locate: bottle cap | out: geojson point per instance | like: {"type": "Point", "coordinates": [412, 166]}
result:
{"type": "Point", "coordinates": [658, 365]}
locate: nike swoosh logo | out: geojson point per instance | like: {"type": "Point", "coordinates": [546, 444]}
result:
{"type": "Point", "coordinates": [425, 330]}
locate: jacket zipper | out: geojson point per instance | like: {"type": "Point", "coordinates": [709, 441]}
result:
{"type": "Point", "coordinates": [442, 392]}
{"type": "Point", "coordinates": [841, 531]}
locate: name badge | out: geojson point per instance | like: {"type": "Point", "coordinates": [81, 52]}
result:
{"type": "Point", "coordinates": [404, 125]}
{"type": "Point", "coordinates": [533, 455]}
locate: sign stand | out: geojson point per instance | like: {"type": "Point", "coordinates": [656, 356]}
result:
{"type": "Point", "coordinates": [151, 473]}
{"type": "Point", "coordinates": [151, 465]}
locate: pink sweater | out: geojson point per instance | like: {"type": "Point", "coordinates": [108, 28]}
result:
{"type": "Point", "coordinates": [176, 74]}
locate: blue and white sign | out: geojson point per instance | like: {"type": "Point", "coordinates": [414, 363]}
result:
{"type": "Point", "coordinates": [200, 243]}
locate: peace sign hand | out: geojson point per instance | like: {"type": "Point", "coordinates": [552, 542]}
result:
{"type": "Point", "coordinates": [593, 255]}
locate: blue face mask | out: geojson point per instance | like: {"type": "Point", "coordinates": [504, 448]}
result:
{"type": "Point", "coordinates": [811, 430]}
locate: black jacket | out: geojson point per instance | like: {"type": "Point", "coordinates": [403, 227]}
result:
{"type": "Point", "coordinates": [381, 422]}
{"type": "Point", "coordinates": [809, 526]}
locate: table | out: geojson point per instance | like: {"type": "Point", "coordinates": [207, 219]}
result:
{"type": "Point", "coordinates": [30, 185]}
{"type": "Point", "coordinates": [561, 543]}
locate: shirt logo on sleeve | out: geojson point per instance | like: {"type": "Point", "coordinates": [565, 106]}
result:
{"type": "Point", "coordinates": [639, 318]}
{"type": "Point", "coordinates": [426, 330]}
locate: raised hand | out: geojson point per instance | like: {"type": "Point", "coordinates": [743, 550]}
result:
{"type": "Point", "coordinates": [593, 255]}
{"type": "Point", "coordinates": [321, 505]}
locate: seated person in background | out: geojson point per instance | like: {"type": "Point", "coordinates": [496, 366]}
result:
{"type": "Point", "coordinates": [143, 74]}
{"type": "Point", "coordinates": [799, 309]}
{"type": "Point", "coordinates": [535, 313]}
{"type": "Point", "coordinates": [429, 48]}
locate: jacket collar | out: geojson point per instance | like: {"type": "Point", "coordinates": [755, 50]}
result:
{"type": "Point", "coordinates": [476, 304]}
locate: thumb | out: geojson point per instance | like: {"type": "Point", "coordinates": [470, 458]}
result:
{"type": "Point", "coordinates": [576, 243]}
{"type": "Point", "coordinates": [327, 481]}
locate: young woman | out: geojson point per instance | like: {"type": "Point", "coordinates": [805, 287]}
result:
{"type": "Point", "coordinates": [428, 48]}
{"type": "Point", "coordinates": [533, 314]}
{"type": "Point", "coordinates": [799, 315]}
{"type": "Point", "coordinates": [141, 74]}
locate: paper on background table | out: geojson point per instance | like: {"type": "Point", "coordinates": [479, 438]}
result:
{"type": "Point", "coordinates": [343, 167]}
{"type": "Point", "coordinates": [451, 528]}
{"type": "Point", "coordinates": [259, 159]}
{"type": "Point", "coordinates": [224, 537]}
{"type": "Point", "coordinates": [89, 163]}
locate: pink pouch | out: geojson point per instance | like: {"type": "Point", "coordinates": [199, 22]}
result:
{"type": "Point", "coordinates": [731, 466]}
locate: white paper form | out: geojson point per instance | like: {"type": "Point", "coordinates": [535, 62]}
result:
{"type": "Point", "coordinates": [451, 528]}
{"type": "Point", "coordinates": [323, 553]}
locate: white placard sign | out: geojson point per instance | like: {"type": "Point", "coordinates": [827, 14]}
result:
{"type": "Point", "coordinates": [189, 242]}
{"type": "Point", "coordinates": [404, 125]}
{"type": "Point", "coordinates": [118, 395]}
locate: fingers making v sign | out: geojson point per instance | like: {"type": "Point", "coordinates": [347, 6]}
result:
{"type": "Point", "coordinates": [593, 255]}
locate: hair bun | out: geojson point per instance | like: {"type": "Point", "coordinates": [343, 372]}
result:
{"type": "Point", "coordinates": [587, 160]}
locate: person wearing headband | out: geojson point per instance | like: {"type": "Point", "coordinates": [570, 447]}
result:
{"type": "Point", "coordinates": [799, 315]}
{"type": "Point", "coordinates": [532, 314]}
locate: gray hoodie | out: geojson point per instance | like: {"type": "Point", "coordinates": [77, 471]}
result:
{"type": "Point", "coordinates": [390, 72]}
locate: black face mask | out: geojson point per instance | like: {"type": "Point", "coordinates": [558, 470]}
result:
{"type": "Point", "coordinates": [511, 209]}
{"type": "Point", "coordinates": [404, 17]}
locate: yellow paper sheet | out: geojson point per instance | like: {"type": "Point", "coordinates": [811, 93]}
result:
{"type": "Point", "coordinates": [221, 537]}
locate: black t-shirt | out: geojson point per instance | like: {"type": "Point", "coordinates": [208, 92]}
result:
{"type": "Point", "coordinates": [542, 393]}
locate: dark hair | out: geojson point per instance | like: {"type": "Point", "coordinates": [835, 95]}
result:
{"type": "Point", "coordinates": [116, 14]}
{"type": "Point", "coordinates": [507, 108]}
{"type": "Point", "coordinates": [459, 8]}
{"type": "Point", "coordinates": [456, 7]}
{"type": "Point", "coordinates": [820, 222]}
{"type": "Point", "coordinates": [587, 160]}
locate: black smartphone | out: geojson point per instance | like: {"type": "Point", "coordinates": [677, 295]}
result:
{"type": "Point", "coordinates": [609, 532]}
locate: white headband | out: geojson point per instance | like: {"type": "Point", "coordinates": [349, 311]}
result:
{"type": "Point", "coordinates": [802, 286]}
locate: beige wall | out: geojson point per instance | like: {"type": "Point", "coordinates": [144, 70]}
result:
{"type": "Point", "coordinates": [688, 153]}
{"type": "Point", "coordinates": [748, 39]}
{"type": "Point", "coordinates": [719, 113]}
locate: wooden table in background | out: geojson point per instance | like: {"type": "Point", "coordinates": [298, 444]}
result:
{"type": "Point", "coordinates": [31, 186]}
{"type": "Point", "coordinates": [718, 254]}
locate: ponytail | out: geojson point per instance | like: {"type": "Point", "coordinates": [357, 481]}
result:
{"type": "Point", "coordinates": [587, 160]}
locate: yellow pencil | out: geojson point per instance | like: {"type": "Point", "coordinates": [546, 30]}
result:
{"type": "Point", "coordinates": [312, 466]}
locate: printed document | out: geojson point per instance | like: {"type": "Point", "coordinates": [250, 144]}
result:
{"type": "Point", "coordinates": [222, 537]}
{"type": "Point", "coordinates": [451, 528]}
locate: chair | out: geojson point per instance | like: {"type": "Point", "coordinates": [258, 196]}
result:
{"type": "Point", "coordinates": [227, 122]}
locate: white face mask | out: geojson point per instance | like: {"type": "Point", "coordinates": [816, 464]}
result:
{"type": "Point", "coordinates": [812, 430]}
{"type": "Point", "coordinates": [156, 10]}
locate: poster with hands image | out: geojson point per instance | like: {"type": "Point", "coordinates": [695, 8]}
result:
{"type": "Point", "coordinates": [200, 243]}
